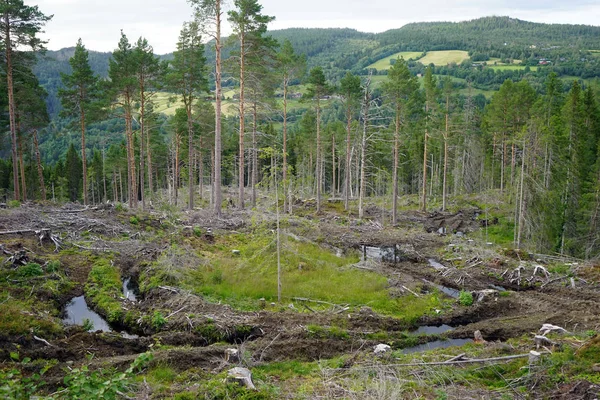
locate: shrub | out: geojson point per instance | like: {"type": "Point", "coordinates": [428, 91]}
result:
{"type": "Point", "coordinates": [465, 298]}
{"type": "Point", "coordinates": [88, 325]}
{"type": "Point", "coordinates": [158, 320]}
{"type": "Point", "coordinates": [14, 204]}
{"type": "Point", "coordinates": [134, 220]}
{"type": "Point", "coordinates": [30, 270]}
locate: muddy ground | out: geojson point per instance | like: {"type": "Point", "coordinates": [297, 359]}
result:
{"type": "Point", "coordinates": [512, 298]}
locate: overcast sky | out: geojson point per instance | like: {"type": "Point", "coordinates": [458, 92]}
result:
{"type": "Point", "coordinates": [98, 23]}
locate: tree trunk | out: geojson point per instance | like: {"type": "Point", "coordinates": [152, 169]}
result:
{"type": "Point", "coordinates": [149, 162]}
{"type": "Point", "coordinates": [424, 191]}
{"type": "Point", "coordinates": [318, 156]}
{"type": "Point", "coordinates": [242, 125]}
{"type": "Point", "coordinates": [142, 139]}
{"type": "Point", "coordinates": [396, 162]}
{"type": "Point", "coordinates": [11, 105]}
{"type": "Point", "coordinates": [445, 174]}
{"type": "Point", "coordinates": [285, 177]}
{"type": "Point", "coordinates": [255, 155]}
{"type": "Point", "coordinates": [190, 126]}
{"type": "Point", "coordinates": [22, 168]}
{"type": "Point", "coordinates": [217, 162]}
{"type": "Point", "coordinates": [83, 155]}
{"type": "Point", "coordinates": [522, 200]}
{"type": "Point", "coordinates": [131, 176]}
{"type": "Point", "coordinates": [363, 151]}
{"type": "Point", "coordinates": [200, 171]}
{"type": "Point", "coordinates": [38, 159]}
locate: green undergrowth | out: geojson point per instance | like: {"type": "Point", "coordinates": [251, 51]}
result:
{"type": "Point", "coordinates": [22, 317]}
{"type": "Point", "coordinates": [26, 294]}
{"type": "Point", "coordinates": [241, 269]}
{"type": "Point", "coordinates": [104, 289]}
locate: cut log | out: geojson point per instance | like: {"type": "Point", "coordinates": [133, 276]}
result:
{"type": "Point", "coordinates": [241, 376]}
{"type": "Point", "coordinates": [232, 355]}
{"type": "Point", "coordinates": [542, 341]}
{"type": "Point", "coordinates": [381, 349]}
{"type": "Point", "coordinates": [547, 328]}
{"type": "Point", "coordinates": [478, 337]}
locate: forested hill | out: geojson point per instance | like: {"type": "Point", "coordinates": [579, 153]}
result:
{"type": "Point", "coordinates": [340, 50]}
{"type": "Point", "coordinates": [490, 33]}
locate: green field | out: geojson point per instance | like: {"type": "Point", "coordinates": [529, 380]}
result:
{"type": "Point", "coordinates": [166, 103]}
{"type": "Point", "coordinates": [444, 57]}
{"type": "Point", "coordinates": [512, 67]}
{"type": "Point", "coordinates": [385, 64]}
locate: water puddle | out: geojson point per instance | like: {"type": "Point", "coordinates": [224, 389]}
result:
{"type": "Point", "coordinates": [454, 293]}
{"type": "Point", "coordinates": [77, 311]}
{"type": "Point", "coordinates": [436, 264]}
{"type": "Point", "coordinates": [438, 344]}
{"type": "Point", "coordinates": [433, 330]}
{"type": "Point", "coordinates": [386, 254]}
{"type": "Point", "coordinates": [129, 290]}
{"type": "Point", "coordinates": [498, 288]}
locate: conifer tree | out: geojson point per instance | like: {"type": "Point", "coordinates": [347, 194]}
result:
{"type": "Point", "coordinates": [399, 88]}
{"type": "Point", "coordinates": [187, 78]}
{"type": "Point", "coordinates": [290, 66]}
{"type": "Point", "coordinates": [80, 97]}
{"type": "Point", "coordinates": [19, 27]}
{"type": "Point", "coordinates": [317, 89]}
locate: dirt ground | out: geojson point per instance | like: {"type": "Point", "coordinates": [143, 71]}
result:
{"type": "Point", "coordinates": [512, 298]}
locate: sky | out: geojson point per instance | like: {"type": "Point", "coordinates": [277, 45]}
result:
{"type": "Point", "coordinates": [98, 23]}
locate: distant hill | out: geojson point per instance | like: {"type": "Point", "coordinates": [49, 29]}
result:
{"type": "Point", "coordinates": [341, 50]}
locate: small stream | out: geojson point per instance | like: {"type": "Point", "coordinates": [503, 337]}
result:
{"type": "Point", "coordinates": [129, 290]}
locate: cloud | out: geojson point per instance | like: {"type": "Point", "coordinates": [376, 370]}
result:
{"type": "Point", "coordinates": [159, 21]}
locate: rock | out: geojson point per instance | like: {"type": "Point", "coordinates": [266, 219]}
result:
{"type": "Point", "coordinates": [232, 355]}
{"type": "Point", "coordinates": [478, 337]}
{"type": "Point", "coordinates": [236, 252]}
{"type": "Point", "coordinates": [460, 234]}
{"type": "Point", "coordinates": [381, 348]}
{"type": "Point", "coordinates": [242, 376]}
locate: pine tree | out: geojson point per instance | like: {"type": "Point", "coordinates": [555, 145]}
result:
{"type": "Point", "coordinates": [19, 26]}
{"type": "Point", "coordinates": [149, 72]}
{"type": "Point", "coordinates": [399, 88]}
{"type": "Point", "coordinates": [80, 97]}
{"type": "Point", "coordinates": [249, 25]}
{"type": "Point", "coordinates": [187, 78]}
{"type": "Point", "coordinates": [122, 91]}
{"type": "Point", "coordinates": [290, 66]}
{"type": "Point", "coordinates": [317, 89]}
{"type": "Point", "coordinates": [209, 15]}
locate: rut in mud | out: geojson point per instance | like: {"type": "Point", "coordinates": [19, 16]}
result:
{"type": "Point", "coordinates": [417, 259]}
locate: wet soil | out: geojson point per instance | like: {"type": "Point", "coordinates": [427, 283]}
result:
{"type": "Point", "coordinates": [283, 335]}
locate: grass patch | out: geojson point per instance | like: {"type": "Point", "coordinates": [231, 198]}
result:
{"type": "Point", "coordinates": [308, 271]}
{"type": "Point", "coordinates": [104, 288]}
{"type": "Point", "coordinates": [21, 317]}
{"type": "Point", "coordinates": [444, 57]}
{"type": "Point", "coordinates": [162, 374]}
{"type": "Point", "coordinates": [512, 67]}
{"type": "Point", "coordinates": [386, 63]}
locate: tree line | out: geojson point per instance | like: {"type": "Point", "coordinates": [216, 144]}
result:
{"type": "Point", "coordinates": [357, 139]}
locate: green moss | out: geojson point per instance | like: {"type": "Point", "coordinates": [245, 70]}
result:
{"type": "Point", "coordinates": [21, 317]}
{"type": "Point", "coordinates": [104, 289]}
